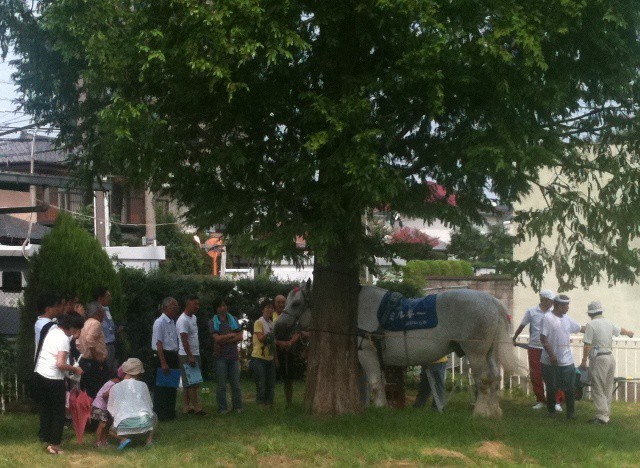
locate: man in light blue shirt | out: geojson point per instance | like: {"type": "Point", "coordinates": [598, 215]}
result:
{"type": "Point", "coordinates": [103, 296]}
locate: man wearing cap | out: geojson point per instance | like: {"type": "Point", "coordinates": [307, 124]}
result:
{"type": "Point", "coordinates": [164, 343]}
{"type": "Point", "coordinates": [558, 369]}
{"type": "Point", "coordinates": [533, 318]}
{"type": "Point", "coordinates": [598, 340]}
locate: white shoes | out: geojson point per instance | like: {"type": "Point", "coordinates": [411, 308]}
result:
{"type": "Point", "coordinates": [558, 408]}
{"type": "Point", "coordinates": [539, 405]}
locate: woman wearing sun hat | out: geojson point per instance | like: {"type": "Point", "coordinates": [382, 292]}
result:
{"type": "Point", "coordinates": [130, 405]}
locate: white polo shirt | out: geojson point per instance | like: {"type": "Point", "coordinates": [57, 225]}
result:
{"type": "Point", "coordinates": [55, 342]}
{"type": "Point", "coordinates": [533, 318]}
{"type": "Point", "coordinates": [164, 330]}
{"type": "Point", "coordinates": [557, 331]}
{"type": "Point", "coordinates": [188, 325]}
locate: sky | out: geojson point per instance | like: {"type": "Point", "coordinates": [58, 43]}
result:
{"type": "Point", "coordinates": [8, 119]}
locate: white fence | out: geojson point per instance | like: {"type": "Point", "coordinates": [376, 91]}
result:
{"type": "Point", "coordinates": [625, 350]}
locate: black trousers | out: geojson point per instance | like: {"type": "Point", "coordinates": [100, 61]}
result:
{"type": "Point", "coordinates": [164, 398]}
{"type": "Point", "coordinates": [560, 378]}
{"type": "Point", "coordinates": [52, 405]}
{"type": "Point", "coordinates": [95, 375]}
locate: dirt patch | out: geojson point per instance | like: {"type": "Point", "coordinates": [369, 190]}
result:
{"type": "Point", "coordinates": [278, 460]}
{"type": "Point", "coordinates": [395, 463]}
{"type": "Point", "coordinates": [446, 453]}
{"type": "Point", "coordinates": [495, 450]}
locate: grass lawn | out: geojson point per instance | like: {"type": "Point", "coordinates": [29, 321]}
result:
{"type": "Point", "coordinates": [380, 437]}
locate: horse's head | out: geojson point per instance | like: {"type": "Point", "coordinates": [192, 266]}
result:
{"type": "Point", "coordinates": [297, 310]}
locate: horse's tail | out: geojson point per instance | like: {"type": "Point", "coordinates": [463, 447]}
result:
{"type": "Point", "coordinates": [505, 351]}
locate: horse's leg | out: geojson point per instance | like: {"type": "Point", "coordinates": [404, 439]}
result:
{"type": "Point", "coordinates": [480, 371]}
{"type": "Point", "coordinates": [494, 385]}
{"type": "Point", "coordinates": [368, 358]}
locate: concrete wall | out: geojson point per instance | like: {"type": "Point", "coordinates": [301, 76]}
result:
{"type": "Point", "coordinates": [620, 301]}
{"type": "Point", "coordinates": [498, 286]}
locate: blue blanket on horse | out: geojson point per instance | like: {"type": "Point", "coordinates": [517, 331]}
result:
{"type": "Point", "coordinates": [397, 313]}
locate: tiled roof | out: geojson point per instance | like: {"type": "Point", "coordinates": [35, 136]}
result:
{"type": "Point", "coordinates": [19, 151]}
{"type": "Point", "coordinates": [16, 228]}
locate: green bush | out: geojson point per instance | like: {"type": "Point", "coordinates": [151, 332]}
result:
{"type": "Point", "coordinates": [406, 289]}
{"type": "Point", "coordinates": [70, 261]}
{"type": "Point", "coordinates": [143, 293]}
{"type": "Point", "coordinates": [416, 271]}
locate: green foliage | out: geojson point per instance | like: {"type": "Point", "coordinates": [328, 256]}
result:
{"type": "Point", "coordinates": [184, 256]}
{"type": "Point", "coordinates": [404, 288]}
{"type": "Point", "coordinates": [494, 249]}
{"type": "Point", "coordinates": [416, 271]}
{"type": "Point", "coordinates": [354, 106]}
{"type": "Point", "coordinates": [143, 293]}
{"type": "Point", "coordinates": [70, 261]}
{"type": "Point", "coordinates": [84, 218]}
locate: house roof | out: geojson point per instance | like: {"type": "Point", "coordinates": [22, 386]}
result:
{"type": "Point", "coordinates": [19, 151]}
{"type": "Point", "coordinates": [14, 230]}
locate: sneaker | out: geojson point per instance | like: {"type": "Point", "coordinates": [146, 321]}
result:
{"type": "Point", "coordinates": [539, 405]}
{"type": "Point", "coordinates": [597, 421]}
{"type": "Point", "coordinates": [558, 407]}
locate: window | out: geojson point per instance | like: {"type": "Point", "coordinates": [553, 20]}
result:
{"type": "Point", "coordinates": [12, 281]}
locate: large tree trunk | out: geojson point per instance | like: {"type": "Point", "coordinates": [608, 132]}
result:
{"type": "Point", "coordinates": [332, 375]}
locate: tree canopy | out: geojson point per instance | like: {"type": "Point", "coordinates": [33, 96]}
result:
{"type": "Point", "coordinates": [298, 117]}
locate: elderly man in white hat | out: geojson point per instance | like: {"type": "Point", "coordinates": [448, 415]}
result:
{"type": "Point", "coordinates": [533, 317]}
{"type": "Point", "coordinates": [598, 340]}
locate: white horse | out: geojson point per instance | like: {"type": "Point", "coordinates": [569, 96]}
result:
{"type": "Point", "coordinates": [469, 322]}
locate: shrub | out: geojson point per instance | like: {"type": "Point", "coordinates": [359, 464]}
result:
{"type": "Point", "coordinates": [143, 293]}
{"type": "Point", "coordinates": [406, 289]}
{"type": "Point", "coordinates": [417, 271]}
{"type": "Point", "coordinates": [71, 261]}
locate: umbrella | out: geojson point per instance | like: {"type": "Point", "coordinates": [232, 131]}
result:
{"type": "Point", "coordinates": [80, 407]}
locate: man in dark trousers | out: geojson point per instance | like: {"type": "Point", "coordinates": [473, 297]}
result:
{"type": "Point", "coordinates": [164, 343]}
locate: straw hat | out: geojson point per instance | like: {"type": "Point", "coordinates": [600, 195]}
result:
{"type": "Point", "coordinates": [133, 366]}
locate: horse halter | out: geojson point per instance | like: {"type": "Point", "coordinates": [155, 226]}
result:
{"type": "Point", "coordinates": [306, 305]}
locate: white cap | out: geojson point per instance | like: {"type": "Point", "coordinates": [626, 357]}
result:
{"type": "Point", "coordinates": [594, 307]}
{"type": "Point", "coordinates": [547, 294]}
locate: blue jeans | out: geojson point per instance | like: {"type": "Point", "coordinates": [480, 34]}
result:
{"type": "Point", "coordinates": [228, 370]}
{"type": "Point", "coordinates": [264, 374]}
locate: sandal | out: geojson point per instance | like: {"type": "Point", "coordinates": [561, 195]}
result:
{"type": "Point", "coordinates": [51, 450]}
{"type": "Point", "coordinates": [124, 443]}
{"type": "Point", "coordinates": [200, 412]}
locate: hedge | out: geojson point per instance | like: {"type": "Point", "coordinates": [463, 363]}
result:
{"type": "Point", "coordinates": [143, 293]}
{"type": "Point", "coordinates": [416, 271]}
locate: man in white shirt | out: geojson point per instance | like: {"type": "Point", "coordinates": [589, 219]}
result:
{"type": "Point", "coordinates": [533, 318]}
{"type": "Point", "coordinates": [164, 343]}
{"type": "Point", "coordinates": [189, 352]}
{"type": "Point", "coordinates": [558, 369]}
{"type": "Point", "coordinates": [598, 345]}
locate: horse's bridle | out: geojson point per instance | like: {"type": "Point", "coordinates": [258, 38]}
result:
{"type": "Point", "coordinates": [296, 319]}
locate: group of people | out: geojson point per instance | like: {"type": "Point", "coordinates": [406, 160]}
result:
{"type": "Point", "coordinates": [176, 345]}
{"type": "Point", "coordinates": [75, 352]}
{"type": "Point", "coordinates": [551, 362]}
